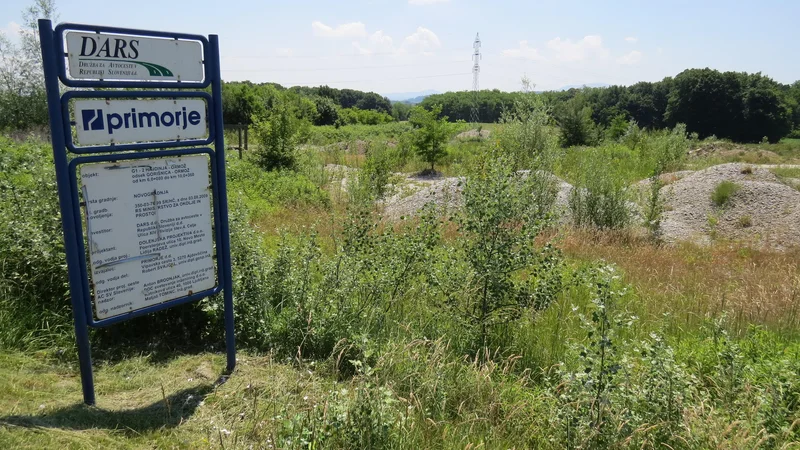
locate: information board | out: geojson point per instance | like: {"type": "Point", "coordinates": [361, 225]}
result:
{"type": "Point", "coordinates": [120, 121]}
{"type": "Point", "coordinates": [148, 231]}
{"type": "Point", "coordinates": [103, 56]}
{"type": "Point", "coordinates": [143, 196]}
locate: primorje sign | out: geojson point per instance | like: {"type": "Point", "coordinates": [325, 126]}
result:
{"type": "Point", "coordinates": [143, 199]}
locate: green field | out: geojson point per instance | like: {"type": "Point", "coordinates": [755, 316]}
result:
{"type": "Point", "coordinates": [359, 333]}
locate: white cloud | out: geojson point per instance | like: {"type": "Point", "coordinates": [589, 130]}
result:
{"type": "Point", "coordinates": [12, 28]}
{"type": "Point", "coordinates": [284, 51]}
{"type": "Point", "coordinates": [347, 30]}
{"type": "Point", "coordinates": [568, 51]}
{"type": "Point", "coordinates": [426, 2]}
{"type": "Point", "coordinates": [632, 39]}
{"type": "Point", "coordinates": [378, 42]}
{"type": "Point", "coordinates": [523, 52]}
{"type": "Point", "coordinates": [421, 41]}
{"type": "Point", "coordinates": [631, 58]}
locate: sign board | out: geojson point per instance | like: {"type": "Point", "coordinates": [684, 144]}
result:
{"type": "Point", "coordinates": [116, 121]}
{"type": "Point", "coordinates": [148, 226]}
{"type": "Point", "coordinates": [102, 56]}
{"type": "Point", "coordinates": [140, 232]}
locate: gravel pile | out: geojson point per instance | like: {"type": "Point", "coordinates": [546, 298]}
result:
{"type": "Point", "coordinates": [474, 134]}
{"type": "Point", "coordinates": [764, 212]}
{"type": "Point", "coordinates": [445, 193]}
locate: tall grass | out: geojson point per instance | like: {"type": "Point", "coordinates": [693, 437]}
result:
{"type": "Point", "coordinates": [437, 333]}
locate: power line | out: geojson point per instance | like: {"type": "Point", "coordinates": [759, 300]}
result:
{"type": "Point", "coordinates": [392, 53]}
{"type": "Point", "coordinates": [318, 69]}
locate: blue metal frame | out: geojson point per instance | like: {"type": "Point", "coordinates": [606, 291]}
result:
{"type": "Point", "coordinates": [100, 95]}
{"type": "Point", "coordinates": [62, 65]}
{"type": "Point", "coordinates": [87, 297]}
{"type": "Point", "coordinates": [54, 65]}
{"type": "Point", "coordinates": [219, 146]}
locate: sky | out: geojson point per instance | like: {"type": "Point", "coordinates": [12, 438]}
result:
{"type": "Point", "coordinates": [391, 46]}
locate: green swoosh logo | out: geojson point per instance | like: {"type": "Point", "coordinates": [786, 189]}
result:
{"type": "Point", "coordinates": [154, 69]}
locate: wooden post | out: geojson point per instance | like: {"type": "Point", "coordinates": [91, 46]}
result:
{"type": "Point", "coordinates": [239, 127]}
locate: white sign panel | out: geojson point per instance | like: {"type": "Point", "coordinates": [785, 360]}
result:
{"type": "Point", "coordinates": [100, 56]}
{"type": "Point", "coordinates": [121, 121]}
{"type": "Point", "coordinates": [149, 231]}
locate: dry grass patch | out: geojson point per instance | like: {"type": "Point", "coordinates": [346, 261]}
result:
{"type": "Point", "coordinates": [696, 283]}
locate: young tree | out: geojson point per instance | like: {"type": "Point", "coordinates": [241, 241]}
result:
{"type": "Point", "coordinates": [504, 212]}
{"type": "Point", "coordinates": [430, 134]}
{"type": "Point", "coordinates": [22, 95]}
{"type": "Point", "coordinates": [575, 119]}
{"type": "Point", "coordinates": [277, 137]}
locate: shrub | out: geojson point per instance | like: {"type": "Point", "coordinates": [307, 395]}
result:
{"type": "Point", "coordinates": [277, 137]}
{"type": "Point", "coordinates": [34, 292]}
{"type": "Point", "coordinates": [654, 208]}
{"type": "Point", "coordinates": [577, 127]}
{"type": "Point", "coordinates": [723, 192]}
{"type": "Point", "coordinates": [373, 176]}
{"type": "Point", "coordinates": [527, 136]}
{"type": "Point", "coordinates": [261, 192]}
{"type": "Point", "coordinates": [618, 128]}
{"type": "Point", "coordinates": [503, 213]}
{"type": "Point", "coordinates": [355, 116]}
{"type": "Point", "coordinates": [599, 198]}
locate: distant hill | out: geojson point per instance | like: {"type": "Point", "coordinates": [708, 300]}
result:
{"type": "Point", "coordinates": [410, 97]}
{"type": "Point", "coordinates": [415, 100]}
{"type": "Point", "coordinates": [579, 86]}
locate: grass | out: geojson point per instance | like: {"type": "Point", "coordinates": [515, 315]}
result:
{"type": "Point", "coordinates": [723, 192]}
{"type": "Point", "coordinates": [442, 401]}
{"type": "Point", "coordinates": [693, 284]}
{"type": "Point", "coordinates": [179, 403]}
{"type": "Point", "coordinates": [358, 344]}
{"type": "Point", "coordinates": [787, 151]}
{"type": "Point", "coordinates": [786, 172]}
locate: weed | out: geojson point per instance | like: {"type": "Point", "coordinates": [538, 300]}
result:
{"type": "Point", "coordinates": [723, 192]}
{"type": "Point", "coordinates": [745, 222]}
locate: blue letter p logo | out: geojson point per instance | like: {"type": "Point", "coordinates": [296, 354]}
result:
{"type": "Point", "coordinates": [92, 119]}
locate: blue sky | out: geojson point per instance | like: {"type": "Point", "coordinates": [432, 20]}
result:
{"type": "Point", "coordinates": [413, 45]}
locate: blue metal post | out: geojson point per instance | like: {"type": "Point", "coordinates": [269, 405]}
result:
{"type": "Point", "coordinates": [50, 65]}
{"type": "Point", "coordinates": [219, 149]}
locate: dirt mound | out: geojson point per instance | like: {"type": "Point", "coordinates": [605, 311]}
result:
{"type": "Point", "coordinates": [763, 212]}
{"type": "Point", "coordinates": [474, 134]}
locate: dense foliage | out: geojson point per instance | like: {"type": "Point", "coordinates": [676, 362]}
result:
{"type": "Point", "coordinates": [734, 105]}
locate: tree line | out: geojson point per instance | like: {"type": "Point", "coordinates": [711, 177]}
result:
{"type": "Point", "coordinates": [242, 102]}
{"type": "Point", "coordinates": [734, 105]}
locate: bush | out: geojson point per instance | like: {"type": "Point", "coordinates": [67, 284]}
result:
{"type": "Point", "coordinates": [34, 292]}
{"type": "Point", "coordinates": [263, 192]}
{"type": "Point", "coordinates": [373, 176]}
{"type": "Point", "coordinates": [504, 211]}
{"type": "Point", "coordinates": [355, 116]}
{"type": "Point", "coordinates": [575, 119]}
{"type": "Point", "coordinates": [599, 198]}
{"type": "Point", "coordinates": [723, 192]}
{"type": "Point", "coordinates": [277, 137]}
{"type": "Point", "coordinates": [527, 135]}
